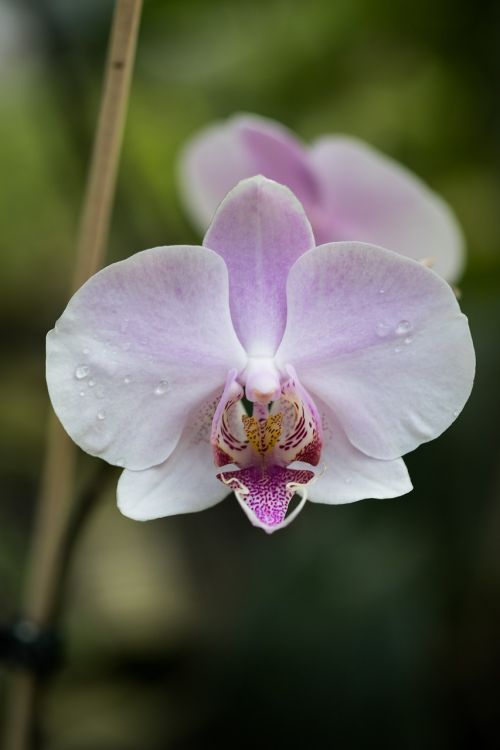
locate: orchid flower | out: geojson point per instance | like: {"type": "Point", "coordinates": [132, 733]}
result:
{"type": "Point", "coordinates": [349, 190]}
{"type": "Point", "coordinates": [350, 356]}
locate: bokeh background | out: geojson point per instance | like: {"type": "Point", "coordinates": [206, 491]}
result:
{"type": "Point", "coordinates": [376, 624]}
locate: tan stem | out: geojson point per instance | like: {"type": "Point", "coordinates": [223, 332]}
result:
{"type": "Point", "coordinates": [56, 492]}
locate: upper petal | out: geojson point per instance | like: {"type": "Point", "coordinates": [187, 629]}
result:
{"type": "Point", "coordinates": [260, 229]}
{"type": "Point", "coordinates": [381, 340]}
{"type": "Point", "coordinates": [371, 198]}
{"type": "Point", "coordinates": [138, 346]}
{"type": "Point", "coordinates": [224, 153]}
{"type": "Point", "coordinates": [186, 482]}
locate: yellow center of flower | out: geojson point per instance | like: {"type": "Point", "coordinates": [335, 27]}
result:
{"type": "Point", "coordinates": [263, 434]}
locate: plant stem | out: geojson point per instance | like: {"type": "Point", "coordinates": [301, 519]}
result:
{"type": "Point", "coordinates": [44, 570]}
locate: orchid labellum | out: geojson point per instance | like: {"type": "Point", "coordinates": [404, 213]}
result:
{"type": "Point", "coordinates": [349, 190]}
{"type": "Point", "coordinates": [348, 354]}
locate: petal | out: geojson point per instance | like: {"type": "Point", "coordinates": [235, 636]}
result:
{"type": "Point", "coordinates": [260, 230]}
{"type": "Point", "coordinates": [186, 482]}
{"type": "Point", "coordinates": [301, 429]}
{"type": "Point", "coordinates": [277, 154]}
{"type": "Point", "coordinates": [228, 439]}
{"type": "Point", "coordinates": [350, 475]}
{"type": "Point", "coordinates": [369, 197]}
{"type": "Point", "coordinates": [221, 155]}
{"type": "Point", "coordinates": [211, 164]}
{"type": "Point", "coordinates": [265, 495]}
{"type": "Point", "coordinates": [138, 346]}
{"type": "Point", "coordinates": [381, 340]}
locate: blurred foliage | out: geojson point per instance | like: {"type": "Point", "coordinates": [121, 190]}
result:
{"type": "Point", "coordinates": [375, 623]}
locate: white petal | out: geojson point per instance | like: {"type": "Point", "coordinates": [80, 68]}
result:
{"type": "Point", "coordinates": [186, 482]}
{"type": "Point", "coordinates": [350, 475]}
{"type": "Point", "coordinates": [381, 340]}
{"type": "Point", "coordinates": [138, 346]}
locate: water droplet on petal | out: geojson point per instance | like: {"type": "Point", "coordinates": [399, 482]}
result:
{"type": "Point", "coordinates": [91, 383]}
{"type": "Point", "coordinates": [101, 415]}
{"type": "Point", "coordinates": [127, 379]}
{"type": "Point", "coordinates": [383, 330]}
{"type": "Point", "coordinates": [81, 372]}
{"type": "Point", "coordinates": [408, 340]}
{"type": "Point", "coordinates": [404, 326]}
{"type": "Point", "coordinates": [82, 393]}
{"type": "Point", "coordinates": [456, 413]}
{"type": "Point", "coordinates": [381, 291]}
{"type": "Point", "coordinates": [161, 388]}
{"type": "Point", "coordinates": [86, 351]}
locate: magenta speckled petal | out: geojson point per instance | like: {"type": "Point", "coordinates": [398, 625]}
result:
{"type": "Point", "coordinates": [260, 230]}
{"type": "Point", "coordinates": [265, 495]}
{"type": "Point", "coordinates": [137, 348]}
{"type": "Point", "coordinates": [381, 340]}
{"type": "Point", "coordinates": [184, 483]}
{"type": "Point", "coordinates": [369, 197]}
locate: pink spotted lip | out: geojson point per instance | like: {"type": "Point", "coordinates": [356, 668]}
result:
{"type": "Point", "coordinates": [263, 445]}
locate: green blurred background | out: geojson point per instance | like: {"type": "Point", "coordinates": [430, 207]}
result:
{"type": "Point", "coordinates": [375, 624]}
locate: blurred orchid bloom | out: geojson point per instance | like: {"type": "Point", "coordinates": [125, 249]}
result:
{"type": "Point", "coordinates": [349, 190]}
{"type": "Point", "coordinates": [352, 355]}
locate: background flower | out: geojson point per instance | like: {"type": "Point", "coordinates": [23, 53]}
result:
{"type": "Point", "coordinates": [349, 190]}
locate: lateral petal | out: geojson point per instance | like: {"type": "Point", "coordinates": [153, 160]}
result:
{"type": "Point", "coordinates": [138, 346]}
{"type": "Point", "coordinates": [381, 340]}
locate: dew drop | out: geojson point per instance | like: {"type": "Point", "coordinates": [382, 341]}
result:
{"type": "Point", "coordinates": [127, 379]}
{"type": "Point", "coordinates": [82, 393]}
{"type": "Point", "coordinates": [382, 330]}
{"type": "Point", "coordinates": [408, 340]}
{"type": "Point", "coordinates": [161, 388]}
{"type": "Point", "coordinates": [381, 291]}
{"type": "Point", "coordinates": [101, 415]}
{"type": "Point", "coordinates": [404, 326]}
{"type": "Point", "coordinates": [86, 351]}
{"type": "Point", "coordinates": [81, 372]}
{"type": "Point", "coordinates": [91, 383]}
{"type": "Point", "coordinates": [456, 413]}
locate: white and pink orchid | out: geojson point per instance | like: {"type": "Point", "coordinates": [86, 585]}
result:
{"type": "Point", "coordinates": [349, 190]}
{"type": "Point", "coordinates": [351, 355]}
